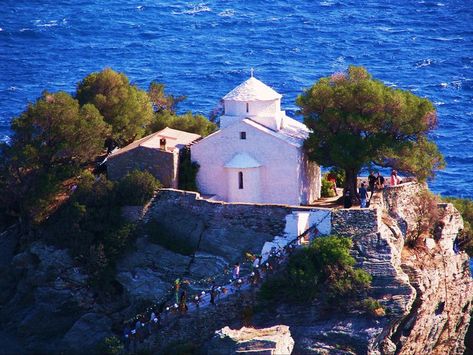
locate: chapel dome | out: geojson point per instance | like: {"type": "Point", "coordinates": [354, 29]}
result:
{"type": "Point", "coordinates": [252, 90]}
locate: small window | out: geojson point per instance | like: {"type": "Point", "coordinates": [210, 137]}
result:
{"type": "Point", "coordinates": [247, 107]}
{"type": "Point", "coordinates": [240, 180]}
{"type": "Point", "coordinates": [242, 135]}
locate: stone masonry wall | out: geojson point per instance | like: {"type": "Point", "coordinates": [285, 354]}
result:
{"type": "Point", "coordinates": [220, 227]}
{"type": "Point", "coordinates": [159, 163]}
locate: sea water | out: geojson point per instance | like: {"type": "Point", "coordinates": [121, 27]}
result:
{"type": "Point", "coordinates": [204, 49]}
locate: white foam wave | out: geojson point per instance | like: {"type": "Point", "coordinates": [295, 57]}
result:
{"type": "Point", "coordinates": [195, 10]}
{"type": "Point", "coordinates": [326, 3]}
{"type": "Point", "coordinates": [52, 23]}
{"type": "Point", "coordinates": [424, 63]}
{"type": "Point", "coordinates": [390, 83]}
{"type": "Point", "coordinates": [457, 84]}
{"type": "Point", "coordinates": [227, 13]}
{"type": "Point", "coordinates": [140, 8]}
{"type": "Point", "coordinates": [385, 29]}
{"type": "Point", "coordinates": [448, 39]}
{"type": "Point", "coordinates": [5, 139]}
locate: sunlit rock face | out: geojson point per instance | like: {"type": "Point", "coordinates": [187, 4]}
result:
{"type": "Point", "coordinates": [274, 340]}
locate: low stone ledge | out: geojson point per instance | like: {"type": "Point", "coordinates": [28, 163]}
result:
{"type": "Point", "coordinates": [274, 340]}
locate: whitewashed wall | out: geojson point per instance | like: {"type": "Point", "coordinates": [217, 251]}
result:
{"type": "Point", "coordinates": [296, 224]}
{"type": "Point", "coordinates": [256, 108]}
{"type": "Point", "coordinates": [279, 171]}
{"type": "Point", "coordinates": [251, 191]}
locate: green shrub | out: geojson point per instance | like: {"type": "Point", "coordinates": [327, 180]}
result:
{"type": "Point", "coordinates": [111, 346]}
{"type": "Point", "coordinates": [339, 175]}
{"type": "Point", "coordinates": [327, 188]}
{"type": "Point", "coordinates": [91, 226]}
{"type": "Point", "coordinates": [465, 237]}
{"type": "Point", "coordinates": [373, 307]}
{"type": "Point", "coordinates": [187, 171]}
{"type": "Point", "coordinates": [325, 271]}
{"type": "Point", "coordinates": [137, 188]}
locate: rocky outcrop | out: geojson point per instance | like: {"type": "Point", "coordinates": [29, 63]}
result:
{"type": "Point", "coordinates": [267, 341]}
{"type": "Point", "coordinates": [87, 332]}
{"type": "Point", "coordinates": [47, 305]}
{"type": "Point", "coordinates": [410, 283]}
{"type": "Point", "coordinates": [438, 319]}
{"type": "Point", "coordinates": [47, 298]}
{"type": "Point", "coordinates": [217, 234]}
{"type": "Point", "coordinates": [8, 244]}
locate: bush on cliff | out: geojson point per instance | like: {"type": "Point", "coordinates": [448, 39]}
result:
{"type": "Point", "coordinates": [137, 188]}
{"type": "Point", "coordinates": [427, 215]}
{"type": "Point", "coordinates": [111, 346]}
{"type": "Point", "coordinates": [325, 271]}
{"type": "Point", "coordinates": [90, 222]}
{"type": "Point", "coordinates": [465, 207]}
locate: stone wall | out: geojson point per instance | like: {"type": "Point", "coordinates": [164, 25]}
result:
{"type": "Point", "coordinates": [263, 219]}
{"type": "Point", "coordinates": [161, 164]}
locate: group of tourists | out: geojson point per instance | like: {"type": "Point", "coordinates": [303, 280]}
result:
{"type": "Point", "coordinates": [375, 182]}
{"type": "Point", "coordinates": [136, 331]}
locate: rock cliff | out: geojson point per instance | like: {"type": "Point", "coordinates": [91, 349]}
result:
{"type": "Point", "coordinates": [47, 305]}
{"type": "Point", "coordinates": [274, 340]}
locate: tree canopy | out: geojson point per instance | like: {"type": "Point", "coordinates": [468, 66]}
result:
{"type": "Point", "coordinates": [162, 101]}
{"type": "Point", "coordinates": [50, 139]}
{"type": "Point", "coordinates": [58, 135]}
{"type": "Point", "coordinates": [358, 121]}
{"type": "Point", "coordinates": [125, 107]}
{"type": "Point", "coordinates": [187, 122]}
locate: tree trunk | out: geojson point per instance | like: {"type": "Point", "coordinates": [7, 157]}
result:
{"type": "Point", "coordinates": [351, 176]}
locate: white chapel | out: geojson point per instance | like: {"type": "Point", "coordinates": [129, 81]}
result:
{"type": "Point", "coordinates": [257, 155]}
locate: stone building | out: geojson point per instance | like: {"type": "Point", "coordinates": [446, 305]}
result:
{"type": "Point", "coordinates": [157, 153]}
{"type": "Point", "coordinates": [257, 155]}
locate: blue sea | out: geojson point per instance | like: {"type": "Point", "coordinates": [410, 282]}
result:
{"type": "Point", "coordinates": [204, 49]}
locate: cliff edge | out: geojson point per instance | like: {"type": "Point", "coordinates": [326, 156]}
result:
{"type": "Point", "coordinates": [426, 289]}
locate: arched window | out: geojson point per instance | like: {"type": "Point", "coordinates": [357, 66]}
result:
{"type": "Point", "coordinates": [240, 180]}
